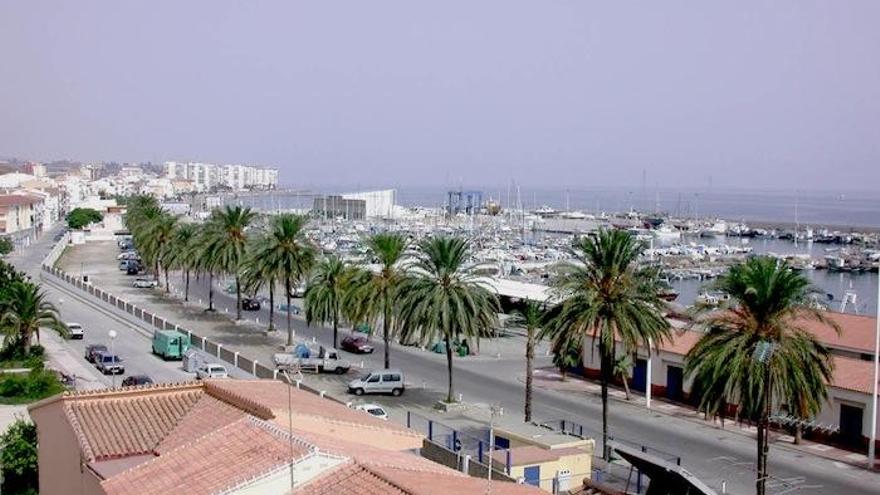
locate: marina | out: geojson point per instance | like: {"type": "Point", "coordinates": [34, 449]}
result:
{"type": "Point", "coordinates": [528, 245]}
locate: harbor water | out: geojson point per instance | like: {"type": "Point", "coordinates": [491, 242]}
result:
{"type": "Point", "coordinates": [830, 286]}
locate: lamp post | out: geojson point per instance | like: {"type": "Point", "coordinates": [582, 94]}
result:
{"type": "Point", "coordinates": [112, 334]}
{"type": "Point", "coordinates": [873, 438]}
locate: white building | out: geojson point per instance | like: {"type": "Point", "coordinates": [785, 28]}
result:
{"type": "Point", "coordinates": [208, 176]}
{"type": "Point", "coordinates": [379, 203]}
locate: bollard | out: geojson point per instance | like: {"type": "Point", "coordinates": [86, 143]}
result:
{"type": "Point", "coordinates": [200, 301]}
{"type": "Point", "coordinates": [321, 394]}
{"type": "Point", "coordinates": [254, 368]}
{"type": "Point", "coordinates": [235, 359]}
{"type": "Point", "coordinates": [459, 397]}
{"type": "Point", "coordinates": [314, 340]}
{"type": "Point", "coordinates": [258, 320]}
{"type": "Point", "coordinates": [226, 310]}
{"type": "Point", "coordinates": [218, 350]}
{"type": "Point", "coordinates": [362, 364]}
{"type": "Point", "coordinates": [274, 374]}
{"type": "Point", "coordinates": [297, 383]}
{"type": "Point", "coordinates": [203, 343]}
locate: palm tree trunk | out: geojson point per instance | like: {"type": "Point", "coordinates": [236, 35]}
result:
{"type": "Point", "coordinates": [237, 299]}
{"type": "Point", "coordinates": [271, 305]}
{"type": "Point", "coordinates": [211, 291]}
{"type": "Point", "coordinates": [449, 391]}
{"type": "Point", "coordinates": [386, 317]}
{"type": "Point", "coordinates": [186, 287]}
{"type": "Point", "coordinates": [26, 342]}
{"type": "Point", "coordinates": [604, 371]}
{"type": "Point", "coordinates": [530, 357]}
{"type": "Point", "coordinates": [289, 310]}
{"type": "Point", "coordinates": [626, 385]}
{"type": "Point", "coordinates": [335, 326]}
{"type": "Point", "coordinates": [156, 271]}
{"type": "Point", "coordinates": [167, 287]}
{"type": "Point", "coordinates": [764, 435]}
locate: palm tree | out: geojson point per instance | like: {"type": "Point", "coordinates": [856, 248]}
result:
{"type": "Point", "coordinates": [25, 311]}
{"type": "Point", "coordinates": [531, 316]}
{"type": "Point", "coordinates": [227, 241]}
{"type": "Point", "coordinates": [327, 291]}
{"type": "Point", "coordinates": [158, 239]}
{"type": "Point", "coordinates": [445, 298]}
{"type": "Point", "coordinates": [183, 252]}
{"type": "Point", "coordinates": [758, 351]}
{"type": "Point", "coordinates": [261, 267]}
{"type": "Point", "coordinates": [375, 296]}
{"type": "Point", "coordinates": [288, 253]}
{"type": "Point", "coordinates": [608, 297]}
{"type": "Point", "coordinates": [141, 224]}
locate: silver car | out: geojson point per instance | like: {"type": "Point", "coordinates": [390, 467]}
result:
{"type": "Point", "coordinates": [379, 382]}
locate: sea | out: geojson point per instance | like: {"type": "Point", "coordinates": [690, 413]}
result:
{"type": "Point", "coordinates": [840, 210]}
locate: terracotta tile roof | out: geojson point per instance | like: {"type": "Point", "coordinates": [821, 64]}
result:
{"type": "Point", "coordinates": [18, 199]}
{"type": "Point", "coordinates": [241, 451]}
{"type": "Point", "coordinates": [127, 422]}
{"type": "Point", "coordinates": [207, 415]}
{"type": "Point", "coordinates": [350, 479]}
{"type": "Point", "coordinates": [856, 331]}
{"type": "Point", "coordinates": [853, 374]}
{"type": "Point", "coordinates": [420, 483]}
{"type": "Point", "coordinates": [268, 397]}
{"type": "Point", "coordinates": [359, 479]}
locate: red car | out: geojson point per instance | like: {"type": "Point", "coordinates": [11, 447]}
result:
{"type": "Point", "coordinates": [356, 344]}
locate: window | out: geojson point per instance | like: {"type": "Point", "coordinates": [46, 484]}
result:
{"type": "Point", "coordinates": [373, 379]}
{"type": "Point", "coordinates": [388, 378]}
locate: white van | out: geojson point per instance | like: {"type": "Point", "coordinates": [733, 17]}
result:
{"type": "Point", "coordinates": [378, 382]}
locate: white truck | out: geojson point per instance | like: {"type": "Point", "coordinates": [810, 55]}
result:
{"type": "Point", "coordinates": [307, 357]}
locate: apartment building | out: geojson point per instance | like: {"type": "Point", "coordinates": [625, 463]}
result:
{"type": "Point", "coordinates": [208, 176]}
{"type": "Point", "coordinates": [21, 218]}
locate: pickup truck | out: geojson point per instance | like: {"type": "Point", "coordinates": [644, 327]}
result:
{"type": "Point", "coordinates": [309, 358]}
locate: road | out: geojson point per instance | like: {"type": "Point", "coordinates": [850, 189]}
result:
{"type": "Point", "coordinates": [710, 453]}
{"type": "Point", "coordinates": [132, 342]}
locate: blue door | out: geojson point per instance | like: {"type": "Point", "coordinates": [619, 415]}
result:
{"type": "Point", "coordinates": [640, 375]}
{"type": "Point", "coordinates": [501, 442]}
{"type": "Point", "coordinates": [532, 474]}
{"type": "Point", "coordinates": [674, 380]}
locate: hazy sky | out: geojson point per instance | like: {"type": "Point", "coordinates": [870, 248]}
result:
{"type": "Point", "coordinates": [569, 93]}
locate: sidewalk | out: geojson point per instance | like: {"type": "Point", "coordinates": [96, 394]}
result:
{"type": "Point", "coordinates": [551, 379]}
{"type": "Point", "coordinates": [60, 358]}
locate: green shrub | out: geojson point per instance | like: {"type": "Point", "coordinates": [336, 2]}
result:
{"type": "Point", "coordinates": [19, 458]}
{"type": "Point", "coordinates": [81, 217]}
{"type": "Point", "coordinates": [18, 388]}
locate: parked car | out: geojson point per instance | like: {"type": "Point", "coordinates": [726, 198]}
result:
{"type": "Point", "coordinates": [378, 382]}
{"type": "Point", "coordinates": [132, 269]}
{"type": "Point", "coordinates": [292, 309]}
{"type": "Point", "coordinates": [211, 370]}
{"type": "Point", "coordinates": [372, 409]}
{"type": "Point", "coordinates": [109, 364]}
{"type": "Point", "coordinates": [250, 304]}
{"type": "Point", "coordinates": [75, 330]}
{"type": "Point", "coordinates": [128, 255]}
{"type": "Point", "coordinates": [134, 380]}
{"type": "Point", "coordinates": [357, 344]}
{"type": "Point", "coordinates": [145, 283]}
{"type": "Point", "coordinates": [92, 350]}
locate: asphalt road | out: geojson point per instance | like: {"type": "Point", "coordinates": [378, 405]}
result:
{"type": "Point", "coordinates": [711, 454]}
{"type": "Point", "coordinates": [132, 343]}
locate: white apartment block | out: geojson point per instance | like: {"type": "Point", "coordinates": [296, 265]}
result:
{"type": "Point", "coordinates": [209, 176]}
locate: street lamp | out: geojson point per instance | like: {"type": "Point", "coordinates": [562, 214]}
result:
{"type": "Point", "coordinates": [112, 335]}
